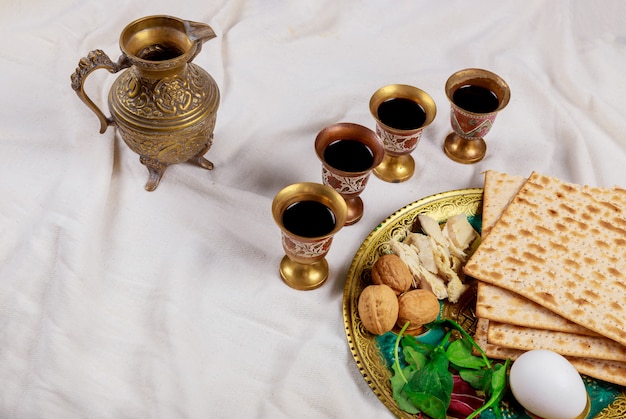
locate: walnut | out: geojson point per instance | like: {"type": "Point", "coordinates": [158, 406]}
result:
{"type": "Point", "coordinates": [378, 308]}
{"type": "Point", "coordinates": [392, 271]}
{"type": "Point", "coordinates": [418, 307]}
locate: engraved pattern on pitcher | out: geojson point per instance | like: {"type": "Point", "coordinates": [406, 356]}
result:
{"type": "Point", "coordinates": [171, 147]}
{"type": "Point", "coordinates": [171, 96]}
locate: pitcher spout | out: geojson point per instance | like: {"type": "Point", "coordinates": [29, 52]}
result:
{"type": "Point", "coordinates": [200, 32]}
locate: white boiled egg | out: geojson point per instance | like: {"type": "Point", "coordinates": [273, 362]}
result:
{"type": "Point", "coordinates": [547, 385]}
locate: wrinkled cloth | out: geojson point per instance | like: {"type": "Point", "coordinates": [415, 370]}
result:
{"type": "Point", "coordinates": [116, 302]}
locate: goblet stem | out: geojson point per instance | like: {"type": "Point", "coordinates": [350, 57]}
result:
{"type": "Point", "coordinates": [464, 150]}
{"type": "Point", "coordinates": [303, 276]}
{"type": "Point", "coordinates": [395, 169]}
{"type": "Point", "coordinates": [355, 210]}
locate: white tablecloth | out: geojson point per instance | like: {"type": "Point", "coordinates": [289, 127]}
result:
{"type": "Point", "coordinates": [116, 302]}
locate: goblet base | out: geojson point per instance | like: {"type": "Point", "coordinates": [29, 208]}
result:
{"type": "Point", "coordinates": [303, 276]}
{"type": "Point", "coordinates": [355, 210]}
{"type": "Point", "coordinates": [395, 169]}
{"type": "Point", "coordinates": [463, 150]}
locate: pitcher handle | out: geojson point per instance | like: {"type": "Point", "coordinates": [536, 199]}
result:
{"type": "Point", "coordinates": [94, 60]}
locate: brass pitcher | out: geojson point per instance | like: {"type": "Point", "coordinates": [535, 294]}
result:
{"type": "Point", "coordinates": [163, 106]}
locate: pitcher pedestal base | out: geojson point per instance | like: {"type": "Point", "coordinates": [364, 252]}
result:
{"type": "Point", "coordinates": [155, 172]}
{"type": "Point", "coordinates": [199, 158]}
{"type": "Point", "coordinates": [202, 162]}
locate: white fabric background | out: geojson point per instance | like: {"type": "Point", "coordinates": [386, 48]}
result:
{"type": "Point", "coordinates": [120, 303]}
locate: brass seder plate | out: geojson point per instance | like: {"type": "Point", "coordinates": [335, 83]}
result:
{"type": "Point", "coordinates": [608, 401]}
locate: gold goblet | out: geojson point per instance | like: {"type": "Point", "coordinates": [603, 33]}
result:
{"type": "Point", "coordinates": [308, 215]}
{"type": "Point", "coordinates": [401, 113]}
{"type": "Point", "coordinates": [476, 96]}
{"type": "Point", "coordinates": [348, 153]}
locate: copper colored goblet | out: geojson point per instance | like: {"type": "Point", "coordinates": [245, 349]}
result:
{"type": "Point", "coordinates": [308, 215]}
{"type": "Point", "coordinates": [401, 113]}
{"type": "Point", "coordinates": [348, 153]}
{"type": "Point", "coordinates": [476, 96]}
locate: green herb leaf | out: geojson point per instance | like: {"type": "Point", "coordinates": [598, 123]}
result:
{"type": "Point", "coordinates": [425, 349]}
{"type": "Point", "coordinates": [499, 379]}
{"type": "Point", "coordinates": [425, 384]}
{"type": "Point", "coordinates": [434, 378]}
{"type": "Point", "coordinates": [451, 323]}
{"type": "Point", "coordinates": [460, 355]}
{"type": "Point", "coordinates": [429, 405]}
{"type": "Point", "coordinates": [412, 356]}
{"type": "Point", "coordinates": [497, 388]}
{"type": "Point", "coordinates": [478, 379]}
{"type": "Point", "coordinates": [397, 384]}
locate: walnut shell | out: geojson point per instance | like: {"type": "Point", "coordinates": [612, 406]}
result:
{"type": "Point", "coordinates": [392, 271]}
{"type": "Point", "coordinates": [418, 307]}
{"type": "Point", "coordinates": [378, 308]}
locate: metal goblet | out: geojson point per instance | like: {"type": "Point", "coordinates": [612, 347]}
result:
{"type": "Point", "coordinates": [307, 235]}
{"type": "Point", "coordinates": [348, 153]}
{"type": "Point", "coordinates": [400, 133]}
{"type": "Point", "coordinates": [473, 116]}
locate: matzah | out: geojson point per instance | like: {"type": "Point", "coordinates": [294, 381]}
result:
{"type": "Point", "coordinates": [566, 344]}
{"type": "Point", "coordinates": [495, 303]}
{"type": "Point", "coordinates": [501, 305]}
{"type": "Point", "coordinates": [610, 371]}
{"type": "Point", "coordinates": [562, 246]}
{"type": "Point", "coordinates": [499, 190]}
